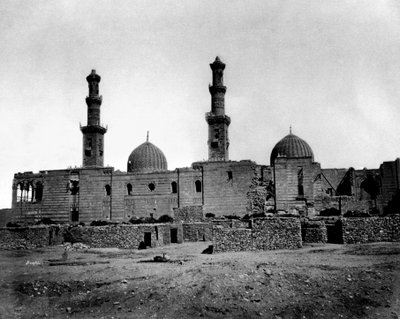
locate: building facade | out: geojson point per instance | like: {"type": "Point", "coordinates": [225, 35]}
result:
{"type": "Point", "coordinates": [292, 182]}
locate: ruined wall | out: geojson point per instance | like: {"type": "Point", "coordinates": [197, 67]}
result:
{"type": "Point", "coordinates": [314, 232]}
{"type": "Point", "coordinates": [189, 214]}
{"type": "Point", "coordinates": [371, 229]}
{"type": "Point", "coordinates": [197, 232]}
{"type": "Point", "coordinates": [54, 203]}
{"type": "Point", "coordinates": [264, 234]}
{"type": "Point", "coordinates": [346, 203]}
{"type": "Point", "coordinates": [286, 183]}
{"type": "Point", "coordinates": [261, 192]}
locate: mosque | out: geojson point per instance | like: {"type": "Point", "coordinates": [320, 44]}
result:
{"type": "Point", "coordinates": [293, 182]}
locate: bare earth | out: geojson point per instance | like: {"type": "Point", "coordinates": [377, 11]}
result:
{"type": "Point", "coordinates": [317, 281]}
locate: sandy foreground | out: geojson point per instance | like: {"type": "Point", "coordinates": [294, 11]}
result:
{"type": "Point", "coordinates": [317, 281]}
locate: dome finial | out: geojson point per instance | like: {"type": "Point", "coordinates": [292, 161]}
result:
{"type": "Point", "coordinates": [147, 138]}
{"type": "Point", "coordinates": [290, 129]}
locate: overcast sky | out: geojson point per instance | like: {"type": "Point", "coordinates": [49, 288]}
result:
{"type": "Point", "coordinates": [330, 69]}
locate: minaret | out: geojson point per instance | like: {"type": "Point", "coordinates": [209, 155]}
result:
{"type": "Point", "coordinates": [218, 122]}
{"type": "Point", "coordinates": [93, 133]}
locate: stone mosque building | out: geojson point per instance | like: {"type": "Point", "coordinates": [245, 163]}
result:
{"type": "Point", "coordinates": [292, 182]}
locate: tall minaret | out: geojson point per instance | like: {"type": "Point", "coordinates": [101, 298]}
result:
{"type": "Point", "coordinates": [218, 122]}
{"type": "Point", "coordinates": [93, 133]}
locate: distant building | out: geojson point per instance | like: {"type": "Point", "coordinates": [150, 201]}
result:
{"type": "Point", "coordinates": [292, 182]}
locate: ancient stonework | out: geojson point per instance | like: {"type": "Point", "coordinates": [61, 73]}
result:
{"type": "Point", "coordinates": [262, 234]}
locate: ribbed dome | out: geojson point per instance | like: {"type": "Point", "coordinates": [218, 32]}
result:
{"type": "Point", "coordinates": [291, 146]}
{"type": "Point", "coordinates": [147, 158]}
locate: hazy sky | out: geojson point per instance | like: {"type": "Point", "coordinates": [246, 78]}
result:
{"type": "Point", "coordinates": [330, 69]}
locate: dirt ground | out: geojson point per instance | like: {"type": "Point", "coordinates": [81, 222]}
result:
{"type": "Point", "coordinates": [317, 281]}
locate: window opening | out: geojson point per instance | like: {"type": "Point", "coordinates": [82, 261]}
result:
{"type": "Point", "coordinates": [230, 175]}
{"type": "Point", "coordinates": [174, 187]}
{"type": "Point", "coordinates": [108, 190]}
{"type": "Point", "coordinates": [73, 187]}
{"type": "Point", "coordinates": [19, 192]}
{"type": "Point", "coordinates": [88, 149]}
{"type": "Point", "coordinates": [38, 191]}
{"type": "Point", "coordinates": [300, 188]}
{"type": "Point", "coordinates": [129, 188]}
{"type": "Point", "coordinates": [198, 186]}
{"type": "Point", "coordinates": [152, 187]}
{"type": "Point", "coordinates": [29, 192]}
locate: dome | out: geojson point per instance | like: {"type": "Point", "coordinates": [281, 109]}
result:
{"type": "Point", "coordinates": [291, 146]}
{"type": "Point", "coordinates": [147, 158]}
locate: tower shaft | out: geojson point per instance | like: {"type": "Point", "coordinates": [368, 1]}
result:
{"type": "Point", "coordinates": [93, 133]}
{"type": "Point", "coordinates": [218, 122]}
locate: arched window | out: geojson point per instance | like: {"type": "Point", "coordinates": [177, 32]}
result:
{"type": "Point", "coordinates": [129, 188]}
{"type": "Point", "coordinates": [108, 190]}
{"type": "Point", "coordinates": [152, 187]}
{"type": "Point", "coordinates": [300, 188]}
{"type": "Point", "coordinates": [39, 191]}
{"type": "Point", "coordinates": [29, 194]}
{"type": "Point", "coordinates": [20, 188]}
{"type": "Point", "coordinates": [174, 187]}
{"type": "Point", "coordinates": [198, 186]}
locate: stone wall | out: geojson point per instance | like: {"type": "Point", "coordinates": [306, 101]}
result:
{"type": "Point", "coordinates": [232, 223]}
{"type": "Point", "coordinates": [277, 233]}
{"type": "Point", "coordinates": [197, 232]}
{"type": "Point", "coordinates": [263, 234]}
{"type": "Point", "coordinates": [189, 214]}
{"type": "Point", "coordinates": [314, 232]}
{"type": "Point", "coordinates": [232, 239]}
{"type": "Point", "coordinates": [119, 236]}
{"type": "Point", "coordinates": [24, 237]}
{"type": "Point", "coordinates": [370, 229]}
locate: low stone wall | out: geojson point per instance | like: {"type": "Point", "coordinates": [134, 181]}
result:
{"type": "Point", "coordinates": [314, 232]}
{"type": "Point", "coordinates": [277, 233]}
{"type": "Point", "coordinates": [24, 237]}
{"type": "Point", "coordinates": [119, 236]}
{"type": "Point", "coordinates": [197, 231]}
{"type": "Point", "coordinates": [232, 223]}
{"type": "Point", "coordinates": [232, 239]}
{"type": "Point", "coordinates": [263, 234]}
{"type": "Point", "coordinates": [189, 214]}
{"type": "Point", "coordinates": [370, 229]}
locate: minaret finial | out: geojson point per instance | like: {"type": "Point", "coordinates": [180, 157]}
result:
{"type": "Point", "coordinates": [147, 138]}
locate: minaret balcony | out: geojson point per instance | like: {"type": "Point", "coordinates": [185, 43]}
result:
{"type": "Point", "coordinates": [94, 128]}
{"type": "Point", "coordinates": [212, 118]}
{"type": "Point", "coordinates": [217, 89]}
